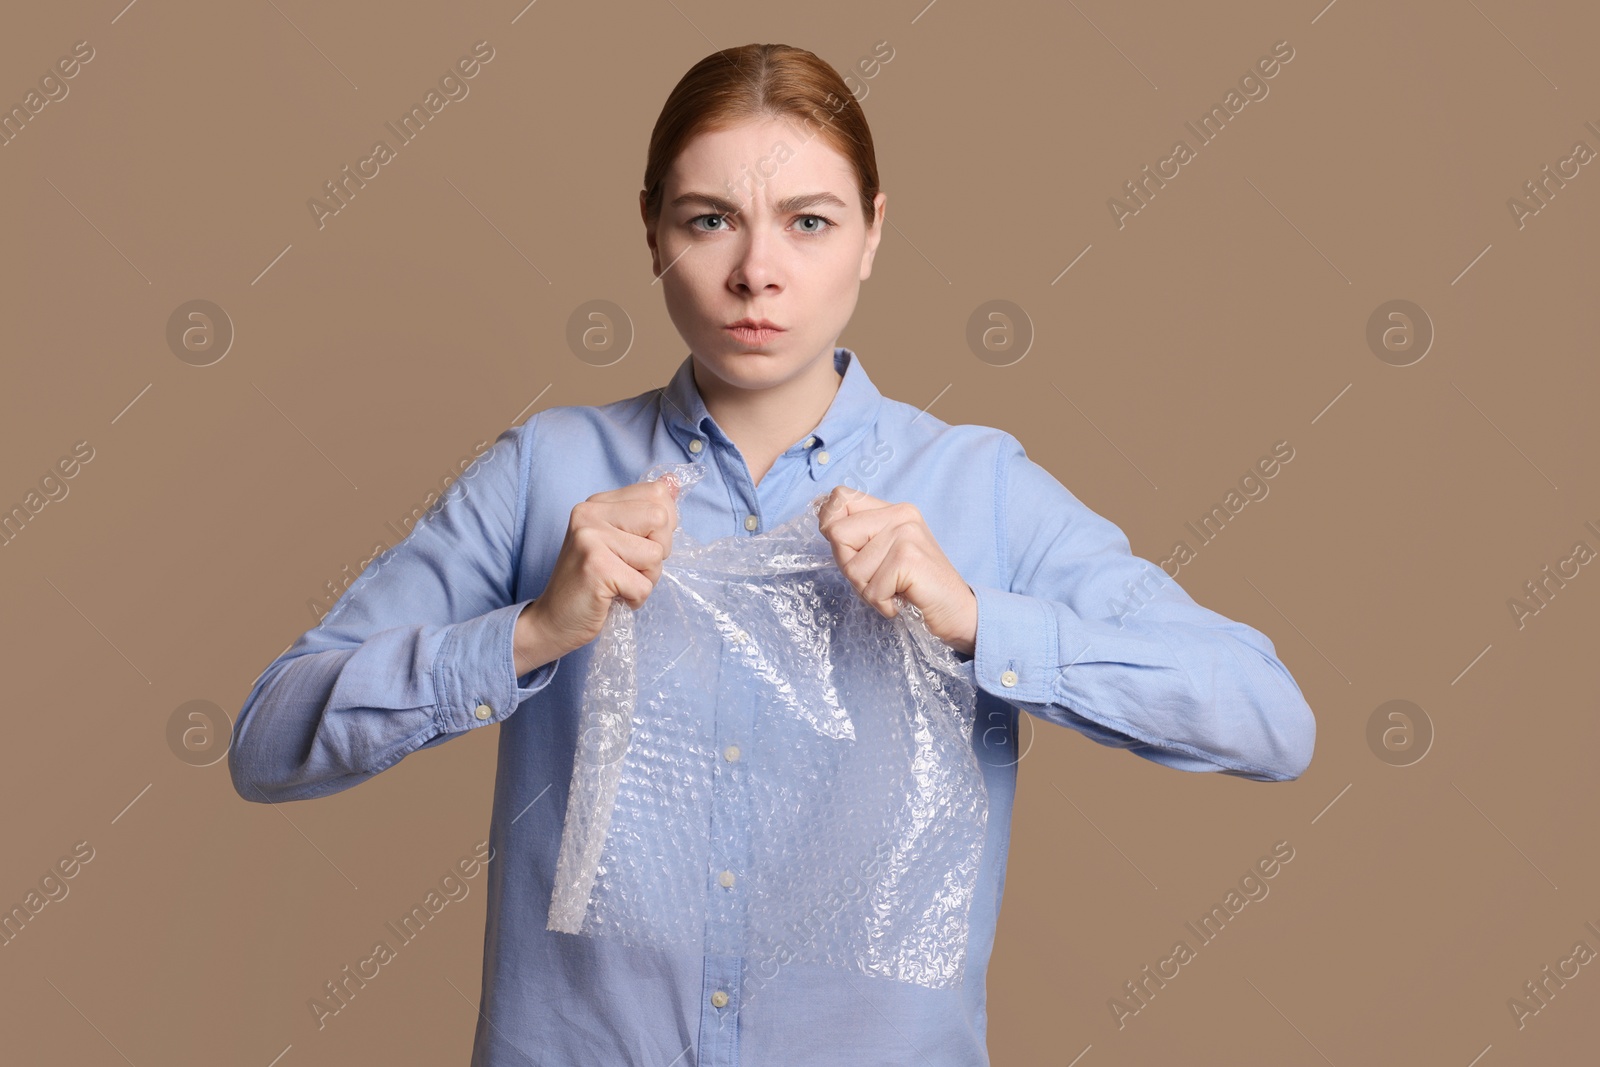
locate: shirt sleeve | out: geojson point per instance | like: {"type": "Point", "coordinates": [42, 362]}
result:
{"type": "Point", "coordinates": [416, 651]}
{"type": "Point", "coordinates": [1092, 637]}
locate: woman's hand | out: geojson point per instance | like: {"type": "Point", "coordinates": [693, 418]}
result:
{"type": "Point", "coordinates": [615, 544]}
{"type": "Point", "coordinates": [884, 549]}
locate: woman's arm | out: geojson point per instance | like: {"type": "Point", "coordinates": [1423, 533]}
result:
{"type": "Point", "coordinates": [1094, 638]}
{"type": "Point", "coordinates": [412, 654]}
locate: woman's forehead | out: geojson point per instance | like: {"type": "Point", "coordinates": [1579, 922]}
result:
{"type": "Point", "coordinates": [784, 156]}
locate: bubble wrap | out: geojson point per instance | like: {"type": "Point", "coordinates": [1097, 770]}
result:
{"type": "Point", "coordinates": [847, 827]}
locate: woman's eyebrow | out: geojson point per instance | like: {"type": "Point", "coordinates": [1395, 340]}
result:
{"type": "Point", "coordinates": [782, 207]}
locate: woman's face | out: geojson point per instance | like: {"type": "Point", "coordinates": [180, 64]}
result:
{"type": "Point", "coordinates": [759, 222]}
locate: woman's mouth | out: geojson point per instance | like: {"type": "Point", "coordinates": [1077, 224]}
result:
{"type": "Point", "coordinates": [754, 332]}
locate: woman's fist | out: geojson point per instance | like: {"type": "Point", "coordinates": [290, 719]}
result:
{"type": "Point", "coordinates": [615, 544]}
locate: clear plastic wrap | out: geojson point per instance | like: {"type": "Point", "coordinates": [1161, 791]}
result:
{"type": "Point", "coordinates": [767, 767]}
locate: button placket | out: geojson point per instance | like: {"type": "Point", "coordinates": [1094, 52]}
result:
{"type": "Point", "coordinates": [729, 850]}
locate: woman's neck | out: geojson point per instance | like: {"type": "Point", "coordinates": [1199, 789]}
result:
{"type": "Point", "coordinates": [763, 423]}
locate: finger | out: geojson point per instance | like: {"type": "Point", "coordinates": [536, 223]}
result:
{"type": "Point", "coordinates": [896, 574]}
{"type": "Point", "coordinates": [626, 584]}
{"type": "Point", "coordinates": [844, 501]}
{"type": "Point", "coordinates": [667, 481]}
{"type": "Point", "coordinates": [862, 565]}
{"type": "Point", "coordinates": [650, 517]}
{"type": "Point", "coordinates": [643, 554]}
{"type": "Point", "coordinates": [664, 489]}
{"type": "Point", "coordinates": [854, 528]}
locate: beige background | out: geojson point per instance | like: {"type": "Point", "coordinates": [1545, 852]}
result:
{"type": "Point", "coordinates": [371, 355]}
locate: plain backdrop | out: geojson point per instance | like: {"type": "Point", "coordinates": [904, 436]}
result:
{"type": "Point", "coordinates": [1165, 354]}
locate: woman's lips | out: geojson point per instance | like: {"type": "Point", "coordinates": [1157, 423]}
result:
{"type": "Point", "coordinates": [749, 335]}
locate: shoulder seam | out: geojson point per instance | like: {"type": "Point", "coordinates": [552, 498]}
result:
{"type": "Point", "coordinates": [1002, 485]}
{"type": "Point", "coordinates": [525, 480]}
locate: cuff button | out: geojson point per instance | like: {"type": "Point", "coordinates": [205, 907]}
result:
{"type": "Point", "coordinates": [484, 711]}
{"type": "Point", "coordinates": [1008, 679]}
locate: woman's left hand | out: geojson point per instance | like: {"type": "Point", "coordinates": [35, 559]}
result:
{"type": "Point", "coordinates": [884, 549]}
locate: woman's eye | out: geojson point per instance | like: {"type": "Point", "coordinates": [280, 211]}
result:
{"type": "Point", "coordinates": [824, 223]}
{"type": "Point", "coordinates": [820, 223]}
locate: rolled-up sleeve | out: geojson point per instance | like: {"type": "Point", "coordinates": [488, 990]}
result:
{"type": "Point", "coordinates": [1094, 638]}
{"type": "Point", "coordinates": [416, 651]}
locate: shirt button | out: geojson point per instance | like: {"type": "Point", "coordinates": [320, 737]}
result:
{"type": "Point", "coordinates": [822, 457]}
{"type": "Point", "coordinates": [484, 711]}
{"type": "Point", "coordinates": [811, 441]}
{"type": "Point", "coordinates": [719, 999]}
{"type": "Point", "coordinates": [751, 522]}
{"type": "Point", "coordinates": [1008, 679]}
{"type": "Point", "coordinates": [726, 878]}
{"type": "Point", "coordinates": [731, 753]}
{"type": "Point", "coordinates": [695, 445]}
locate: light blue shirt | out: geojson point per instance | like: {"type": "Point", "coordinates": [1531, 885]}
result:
{"type": "Point", "coordinates": [1072, 628]}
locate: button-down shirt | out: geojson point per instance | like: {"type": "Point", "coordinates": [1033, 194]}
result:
{"type": "Point", "coordinates": [1072, 628]}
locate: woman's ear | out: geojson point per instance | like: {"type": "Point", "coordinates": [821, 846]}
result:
{"type": "Point", "coordinates": [649, 234]}
{"type": "Point", "coordinates": [880, 205]}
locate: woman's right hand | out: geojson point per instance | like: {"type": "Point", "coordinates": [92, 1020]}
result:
{"type": "Point", "coordinates": [615, 544]}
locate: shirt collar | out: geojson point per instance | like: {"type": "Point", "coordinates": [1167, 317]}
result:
{"type": "Point", "coordinates": [853, 412]}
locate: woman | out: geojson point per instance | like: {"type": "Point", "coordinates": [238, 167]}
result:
{"type": "Point", "coordinates": [762, 215]}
